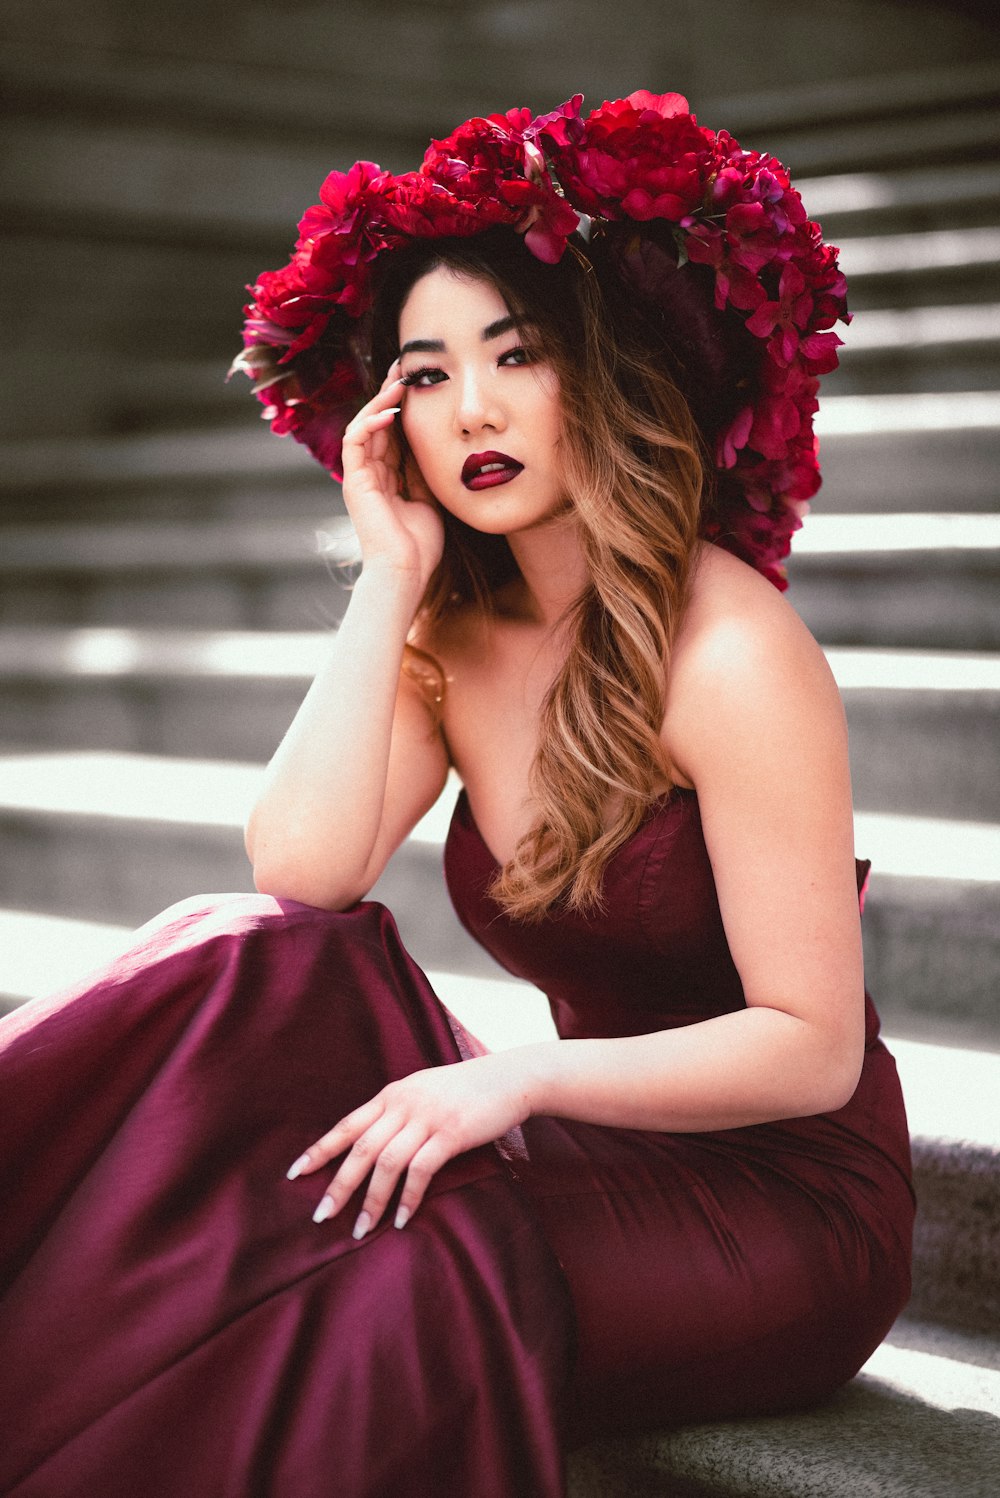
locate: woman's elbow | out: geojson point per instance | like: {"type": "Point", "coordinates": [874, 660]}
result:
{"type": "Point", "coordinates": [285, 879]}
{"type": "Point", "coordinates": [837, 1080]}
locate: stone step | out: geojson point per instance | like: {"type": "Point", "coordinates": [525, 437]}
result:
{"type": "Point", "coordinates": [969, 134]}
{"type": "Point", "coordinates": [236, 471]}
{"type": "Point", "coordinates": [919, 1421]}
{"type": "Point", "coordinates": [923, 725]}
{"type": "Point", "coordinates": [922, 251]}
{"type": "Point", "coordinates": [911, 453]}
{"type": "Point", "coordinates": [923, 730]}
{"type": "Point", "coordinates": [203, 178]}
{"type": "Point", "coordinates": [214, 575]}
{"type": "Point", "coordinates": [956, 265]}
{"type": "Point", "coordinates": [821, 107]}
{"type": "Point", "coordinates": [449, 56]}
{"type": "Point", "coordinates": [922, 332]}
{"type": "Point", "coordinates": [920, 349]}
{"type": "Point", "coordinates": [921, 580]}
{"type": "Point", "coordinates": [932, 451]}
{"type": "Point", "coordinates": [116, 837]}
{"type": "Point", "coordinates": [963, 194]}
{"type": "Point", "coordinates": [951, 1103]}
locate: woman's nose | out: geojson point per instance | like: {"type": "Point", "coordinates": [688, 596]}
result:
{"type": "Point", "coordinates": [478, 405]}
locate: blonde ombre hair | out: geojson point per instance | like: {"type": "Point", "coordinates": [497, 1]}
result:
{"type": "Point", "coordinates": [636, 467]}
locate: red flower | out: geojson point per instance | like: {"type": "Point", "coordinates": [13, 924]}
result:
{"type": "Point", "coordinates": [422, 208]}
{"type": "Point", "coordinates": [734, 437]}
{"type": "Point", "coordinates": [496, 163]}
{"type": "Point", "coordinates": [643, 157]}
{"type": "Point", "coordinates": [563, 127]}
{"type": "Point", "coordinates": [546, 221]}
{"type": "Point", "coordinates": [763, 539]}
{"type": "Point", "coordinates": [632, 160]}
{"type": "Point", "coordinates": [708, 245]}
{"type": "Point", "coordinates": [336, 231]}
{"type": "Point", "coordinates": [819, 352]}
{"type": "Point", "coordinates": [798, 477]}
{"type": "Point", "coordinates": [476, 156]}
{"type": "Point", "coordinates": [278, 296]}
{"type": "Point", "coordinates": [786, 317]}
{"type": "Point", "coordinates": [314, 406]}
{"type": "Point", "coordinates": [776, 421]}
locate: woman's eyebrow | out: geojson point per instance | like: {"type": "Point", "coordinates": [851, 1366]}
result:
{"type": "Point", "coordinates": [423, 346]}
{"type": "Point", "coordinates": [491, 331]}
{"type": "Point", "coordinates": [503, 325]}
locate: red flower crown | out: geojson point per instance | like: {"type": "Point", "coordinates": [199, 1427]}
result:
{"type": "Point", "coordinates": [633, 161]}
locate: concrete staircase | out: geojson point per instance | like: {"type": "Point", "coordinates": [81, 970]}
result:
{"type": "Point", "coordinates": [164, 603]}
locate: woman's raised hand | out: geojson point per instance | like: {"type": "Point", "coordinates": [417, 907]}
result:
{"type": "Point", "coordinates": [404, 532]}
{"type": "Point", "coordinates": [411, 1128]}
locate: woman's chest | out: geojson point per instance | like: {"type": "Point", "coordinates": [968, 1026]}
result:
{"type": "Point", "coordinates": [493, 712]}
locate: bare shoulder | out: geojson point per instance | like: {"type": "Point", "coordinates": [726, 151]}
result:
{"type": "Point", "coordinates": [744, 667]}
{"type": "Point", "coordinates": [444, 661]}
{"type": "Point", "coordinates": [455, 637]}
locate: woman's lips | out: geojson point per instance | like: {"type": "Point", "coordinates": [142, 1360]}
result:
{"type": "Point", "coordinates": [486, 470]}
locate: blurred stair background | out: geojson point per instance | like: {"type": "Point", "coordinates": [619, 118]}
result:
{"type": "Point", "coordinates": [163, 601]}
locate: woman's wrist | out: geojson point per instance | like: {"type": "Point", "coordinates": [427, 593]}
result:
{"type": "Point", "coordinates": [531, 1072]}
{"type": "Point", "coordinates": [388, 579]}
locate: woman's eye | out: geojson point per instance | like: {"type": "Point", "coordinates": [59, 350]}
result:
{"type": "Point", "coordinates": [424, 377]}
{"type": "Point", "coordinates": [516, 356]}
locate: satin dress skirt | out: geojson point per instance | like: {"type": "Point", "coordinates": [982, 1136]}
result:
{"type": "Point", "coordinates": [173, 1321]}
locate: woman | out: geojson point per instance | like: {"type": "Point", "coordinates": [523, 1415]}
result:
{"type": "Point", "coordinates": [696, 1202]}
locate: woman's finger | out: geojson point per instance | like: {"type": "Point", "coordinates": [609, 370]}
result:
{"type": "Point", "coordinates": [398, 1155]}
{"type": "Point", "coordinates": [367, 441]}
{"type": "Point", "coordinates": [366, 422]}
{"type": "Point", "coordinates": [391, 388]}
{"type": "Point", "coordinates": [336, 1140]}
{"type": "Point", "coordinates": [424, 1166]}
{"type": "Point", "coordinates": [359, 1164]}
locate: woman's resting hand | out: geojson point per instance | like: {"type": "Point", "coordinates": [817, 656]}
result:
{"type": "Point", "coordinates": [412, 1127]}
{"type": "Point", "coordinates": [396, 519]}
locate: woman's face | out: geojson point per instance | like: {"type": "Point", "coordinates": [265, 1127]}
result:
{"type": "Point", "coordinates": [483, 419]}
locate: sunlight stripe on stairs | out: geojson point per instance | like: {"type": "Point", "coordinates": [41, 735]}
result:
{"type": "Point", "coordinates": [917, 411]}
{"type": "Point", "coordinates": [219, 793]}
{"type": "Point", "coordinates": [55, 653]}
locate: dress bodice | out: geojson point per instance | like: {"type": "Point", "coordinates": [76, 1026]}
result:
{"type": "Point", "coordinates": [655, 955]}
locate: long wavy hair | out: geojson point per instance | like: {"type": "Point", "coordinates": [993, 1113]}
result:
{"type": "Point", "coordinates": [641, 396]}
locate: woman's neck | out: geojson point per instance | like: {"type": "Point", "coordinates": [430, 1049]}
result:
{"type": "Point", "coordinates": [553, 569]}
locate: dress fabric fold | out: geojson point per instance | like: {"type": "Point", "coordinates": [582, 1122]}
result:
{"type": "Point", "coordinates": [172, 1320]}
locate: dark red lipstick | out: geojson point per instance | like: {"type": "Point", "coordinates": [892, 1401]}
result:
{"type": "Point", "coordinates": [486, 470]}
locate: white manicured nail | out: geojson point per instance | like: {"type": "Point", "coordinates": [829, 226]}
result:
{"type": "Point", "coordinates": [402, 1217]}
{"type": "Point", "coordinates": [324, 1210]}
{"type": "Point", "coordinates": [362, 1225]}
{"type": "Point", "coordinates": [299, 1166]}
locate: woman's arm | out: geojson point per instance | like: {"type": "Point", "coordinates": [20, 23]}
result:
{"type": "Point", "coordinates": [755, 723]}
{"type": "Point", "coordinates": [362, 760]}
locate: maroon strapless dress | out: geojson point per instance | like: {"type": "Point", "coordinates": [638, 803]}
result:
{"type": "Point", "coordinates": [172, 1321]}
